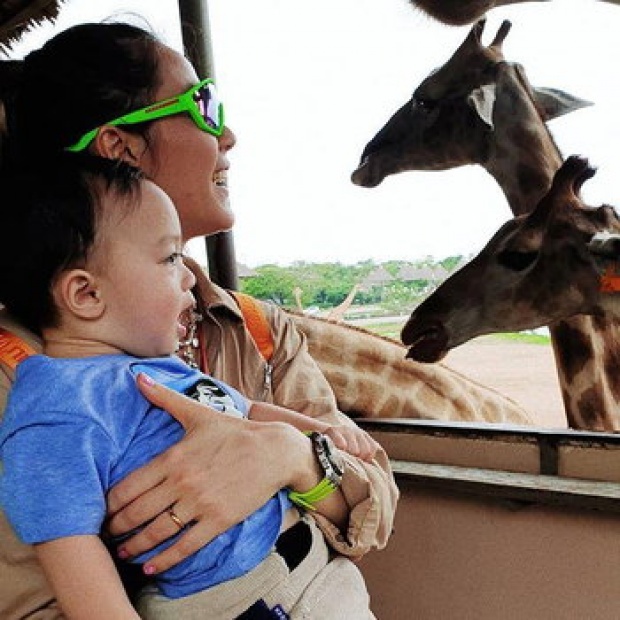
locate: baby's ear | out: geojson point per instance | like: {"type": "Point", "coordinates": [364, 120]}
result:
{"type": "Point", "coordinates": [77, 292]}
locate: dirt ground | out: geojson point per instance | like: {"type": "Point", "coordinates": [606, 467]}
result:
{"type": "Point", "coordinates": [524, 372]}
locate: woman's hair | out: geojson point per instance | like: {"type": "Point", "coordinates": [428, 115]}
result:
{"type": "Point", "coordinates": [50, 219]}
{"type": "Point", "coordinates": [81, 78]}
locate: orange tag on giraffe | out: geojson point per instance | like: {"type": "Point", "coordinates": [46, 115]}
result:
{"type": "Point", "coordinates": [610, 280]}
{"type": "Point", "coordinates": [13, 349]}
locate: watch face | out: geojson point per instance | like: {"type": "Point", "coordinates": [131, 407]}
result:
{"type": "Point", "coordinates": [336, 460]}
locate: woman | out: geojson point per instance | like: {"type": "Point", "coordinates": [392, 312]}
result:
{"type": "Point", "coordinates": [80, 81]}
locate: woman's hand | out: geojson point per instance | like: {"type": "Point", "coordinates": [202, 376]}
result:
{"type": "Point", "coordinates": [220, 472]}
{"type": "Point", "coordinates": [353, 440]}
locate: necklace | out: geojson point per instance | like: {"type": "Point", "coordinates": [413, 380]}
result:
{"type": "Point", "coordinates": [189, 348]}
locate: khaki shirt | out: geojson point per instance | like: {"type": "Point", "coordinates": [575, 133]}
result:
{"type": "Point", "coordinates": [296, 382]}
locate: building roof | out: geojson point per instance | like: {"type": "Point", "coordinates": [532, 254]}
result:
{"type": "Point", "coordinates": [410, 273]}
{"type": "Point", "coordinates": [243, 271]}
{"type": "Point", "coordinates": [377, 277]}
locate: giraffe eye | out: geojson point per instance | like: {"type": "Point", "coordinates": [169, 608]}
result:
{"type": "Point", "coordinates": [424, 104]}
{"type": "Point", "coordinates": [517, 261]}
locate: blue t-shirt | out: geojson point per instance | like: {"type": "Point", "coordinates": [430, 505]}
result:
{"type": "Point", "coordinates": [75, 427]}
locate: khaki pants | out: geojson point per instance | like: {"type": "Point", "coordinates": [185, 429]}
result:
{"type": "Point", "coordinates": [317, 589]}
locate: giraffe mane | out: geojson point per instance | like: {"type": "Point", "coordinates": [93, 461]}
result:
{"type": "Point", "coordinates": [348, 326]}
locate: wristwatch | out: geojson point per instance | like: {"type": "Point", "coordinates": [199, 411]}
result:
{"type": "Point", "coordinates": [331, 463]}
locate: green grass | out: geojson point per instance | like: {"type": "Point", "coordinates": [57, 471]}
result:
{"type": "Point", "coordinates": [525, 338]}
{"type": "Point", "coordinates": [392, 330]}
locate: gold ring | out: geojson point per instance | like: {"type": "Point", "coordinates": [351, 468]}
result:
{"type": "Point", "coordinates": [176, 519]}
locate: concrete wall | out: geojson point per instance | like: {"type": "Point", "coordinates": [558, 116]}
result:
{"type": "Point", "coordinates": [482, 534]}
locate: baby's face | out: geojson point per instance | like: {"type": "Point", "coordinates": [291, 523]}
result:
{"type": "Point", "coordinates": [143, 281]}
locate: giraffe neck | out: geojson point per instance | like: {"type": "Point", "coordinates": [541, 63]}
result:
{"type": "Point", "coordinates": [524, 174]}
{"type": "Point", "coordinates": [587, 353]}
{"type": "Point", "coordinates": [371, 378]}
{"type": "Point", "coordinates": [523, 156]}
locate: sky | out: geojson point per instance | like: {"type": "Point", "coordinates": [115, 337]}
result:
{"type": "Point", "coordinates": [307, 84]}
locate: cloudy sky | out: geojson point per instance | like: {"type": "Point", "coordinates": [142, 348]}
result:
{"type": "Point", "coordinates": [306, 84]}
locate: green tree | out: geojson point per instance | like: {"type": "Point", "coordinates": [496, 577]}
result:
{"type": "Point", "coordinates": [273, 283]}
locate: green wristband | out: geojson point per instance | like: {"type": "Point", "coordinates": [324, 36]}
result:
{"type": "Point", "coordinates": [309, 499]}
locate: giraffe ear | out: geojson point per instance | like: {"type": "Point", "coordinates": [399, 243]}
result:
{"type": "Point", "coordinates": [554, 102]}
{"type": "Point", "coordinates": [483, 101]}
{"type": "Point", "coordinates": [605, 243]}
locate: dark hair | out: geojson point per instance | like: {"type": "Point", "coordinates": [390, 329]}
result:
{"type": "Point", "coordinates": [81, 78]}
{"type": "Point", "coordinates": [49, 223]}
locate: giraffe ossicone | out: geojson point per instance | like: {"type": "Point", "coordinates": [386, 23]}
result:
{"type": "Point", "coordinates": [337, 313]}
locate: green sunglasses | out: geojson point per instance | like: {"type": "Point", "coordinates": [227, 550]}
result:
{"type": "Point", "coordinates": [200, 101]}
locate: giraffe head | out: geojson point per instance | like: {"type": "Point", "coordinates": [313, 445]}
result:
{"type": "Point", "coordinates": [458, 114]}
{"type": "Point", "coordinates": [556, 262]}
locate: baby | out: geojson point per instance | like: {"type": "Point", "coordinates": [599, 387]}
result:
{"type": "Point", "coordinates": [100, 276]}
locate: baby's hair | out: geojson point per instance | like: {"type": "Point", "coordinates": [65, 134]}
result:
{"type": "Point", "coordinates": [49, 221]}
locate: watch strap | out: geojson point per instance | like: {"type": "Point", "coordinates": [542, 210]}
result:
{"type": "Point", "coordinates": [309, 499]}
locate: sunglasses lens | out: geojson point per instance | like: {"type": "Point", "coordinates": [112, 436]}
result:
{"type": "Point", "coordinates": [209, 106]}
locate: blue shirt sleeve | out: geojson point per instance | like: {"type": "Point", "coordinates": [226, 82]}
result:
{"type": "Point", "coordinates": [72, 457]}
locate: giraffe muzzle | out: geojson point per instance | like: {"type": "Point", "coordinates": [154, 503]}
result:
{"type": "Point", "coordinates": [427, 343]}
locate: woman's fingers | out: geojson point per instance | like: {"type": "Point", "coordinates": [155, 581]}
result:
{"type": "Point", "coordinates": [148, 505]}
{"type": "Point", "coordinates": [185, 410]}
{"type": "Point", "coordinates": [354, 440]}
{"type": "Point", "coordinates": [167, 524]}
{"type": "Point", "coordinates": [367, 446]}
{"type": "Point", "coordinates": [192, 539]}
{"type": "Point", "coordinates": [135, 485]}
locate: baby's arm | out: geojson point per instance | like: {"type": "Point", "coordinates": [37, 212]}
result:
{"type": "Point", "coordinates": [84, 579]}
{"type": "Point", "coordinates": [351, 439]}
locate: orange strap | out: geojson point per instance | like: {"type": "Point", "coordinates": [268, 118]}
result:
{"type": "Point", "coordinates": [610, 280]}
{"type": "Point", "coordinates": [13, 349]}
{"type": "Point", "coordinates": [256, 322]}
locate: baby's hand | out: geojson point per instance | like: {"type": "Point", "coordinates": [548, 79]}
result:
{"type": "Point", "coordinates": [353, 440]}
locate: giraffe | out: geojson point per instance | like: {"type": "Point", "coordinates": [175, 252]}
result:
{"type": "Point", "coordinates": [297, 293]}
{"type": "Point", "coordinates": [480, 109]}
{"type": "Point", "coordinates": [371, 377]}
{"type": "Point", "coordinates": [337, 313]}
{"type": "Point", "coordinates": [461, 12]}
{"type": "Point", "coordinates": [560, 260]}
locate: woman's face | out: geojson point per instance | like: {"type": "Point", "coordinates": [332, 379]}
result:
{"type": "Point", "coordinates": [189, 164]}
